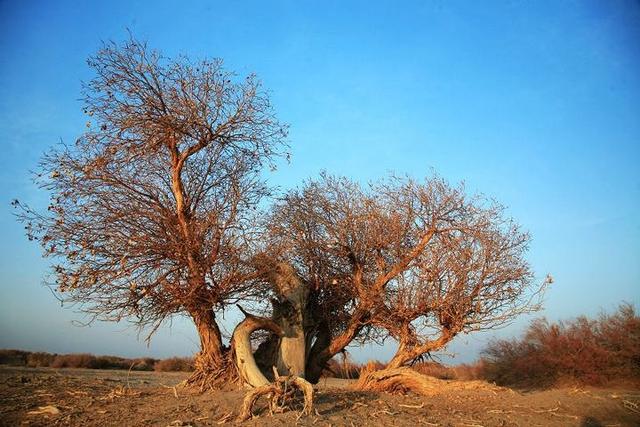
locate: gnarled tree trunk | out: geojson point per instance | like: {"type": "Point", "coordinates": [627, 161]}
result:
{"type": "Point", "coordinates": [288, 313]}
{"type": "Point", "coordinates": [287, 349]}
{"type": "Point", "coordinates": [212, 361]}
{"type": "Point", "coordinates": [210, 338]}
{"type": "Point", "coordinates": [245, 361]}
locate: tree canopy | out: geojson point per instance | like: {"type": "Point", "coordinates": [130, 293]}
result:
{"type": "Point", "coordinates": [156, 210]}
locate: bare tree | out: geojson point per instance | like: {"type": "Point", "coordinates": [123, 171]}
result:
{"type": "Point", "coordinates": [420, 262]}
{"type": "Point", "coordinates": [151, 212]}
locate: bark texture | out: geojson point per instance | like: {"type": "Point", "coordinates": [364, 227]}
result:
{"type": "Point", "coordinates": [245, 361]}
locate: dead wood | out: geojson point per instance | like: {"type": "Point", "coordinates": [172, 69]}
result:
{"type": "Point", "coordinates": [244, 359]}
{"type": "Point", "coordinates": [403, 380]}
{"type": "Point", "coordinates": [398, 380]}
{"type": "Point", "coordinates": [216, 375]}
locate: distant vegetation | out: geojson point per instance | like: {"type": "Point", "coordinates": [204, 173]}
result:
{"type": "Point", "coordinates": [90, 361]}
{"type": "Point", "coordinates": [580, 351]}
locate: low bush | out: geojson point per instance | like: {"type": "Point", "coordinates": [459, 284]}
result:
{"type": "Point", "coordinates": [435, 369]}
{"type": "Point", "coordinates": [463, 372]}
{"type": "Point", "coordinates": [184, 364]}
{"type": "Point", "coordinates": [82, 360]}
{"type": "Point", "coordinates": [89, 361]}
{"type": "Point", "coordinates": [40, 359]}
{"type": "Point", "coordinates": [342, 366]}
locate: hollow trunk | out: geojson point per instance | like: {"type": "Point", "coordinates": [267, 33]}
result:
{"type": "Point", "coordinates": [289, 311]}
{"type": "Point", "coordinates": [316, 364]}
{"type": "Point", "coordinates": [286, 348]}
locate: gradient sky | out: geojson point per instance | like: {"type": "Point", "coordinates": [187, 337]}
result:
{"type": "Point", "coordinates": [534, 103]}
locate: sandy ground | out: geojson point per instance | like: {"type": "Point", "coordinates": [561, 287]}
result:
{"type": "Point", "coordinates": [116, 398]}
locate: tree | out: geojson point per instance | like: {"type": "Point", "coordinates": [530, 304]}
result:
{"type": "Point", "coordinates": [151, 211]}
{"type": "Point", "coordinates": [420, 262]}
{"type": "Point", "coordinates": [154, 213]}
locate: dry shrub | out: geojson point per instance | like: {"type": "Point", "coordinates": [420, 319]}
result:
{"type": "Point", "coordinates": [469, 371]}
{"type": "Point", "coordinates": [463, 372]}
{"type": "Point", "coordinates": [173, 364]}
{"type": "Point", "coordinates": [580, 351]}
{"type": "Point", "coordinates": [40, 359]}
{"type": "Point", "coordinates": [89, 361]}
{"type": "Point", "coordinates": [82, 360]}
{"type": "Point", "coordinates": [144, 364]}
{"type": "Point", "coordinates": [436, 370]}
{"type": "Point", "coordinates": [13, 357]}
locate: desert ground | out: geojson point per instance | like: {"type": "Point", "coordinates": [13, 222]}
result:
{"type": "Point", "coordinates": [80, 397]}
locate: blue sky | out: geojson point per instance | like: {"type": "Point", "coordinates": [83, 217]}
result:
{"type": "Point", "coordinates": [534, 103]}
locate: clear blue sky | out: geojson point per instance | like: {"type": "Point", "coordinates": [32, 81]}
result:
{"type": "Point", "coordinates": [534, 103]}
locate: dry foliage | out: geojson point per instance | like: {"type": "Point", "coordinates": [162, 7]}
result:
{"type": "Point", "coordinates": [90, 361]}
{"type": "Point", "coordinates": [174, 364]}
{"type": "Point", "coordinates": [583, 351]}
{"type": "Point", "coordinates": [416, 261]}
{"type": "Point", "coordinates": [463, 372]}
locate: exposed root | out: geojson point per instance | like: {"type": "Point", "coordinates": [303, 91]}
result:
{"type": "Point", "coordinates": [404, 380]}
{"type": "Point", "coordinates": [280, 393]}
{"type": "Point", "coordinates": [214, 375]}
{"type": "Point", "coordinates": [398, 380]}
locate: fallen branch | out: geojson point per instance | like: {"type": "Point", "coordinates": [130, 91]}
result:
{"type": "Point", "coordinates": [47, 410]}
{"type": "Point", "coordinates": [412, 406]}
{"type": "Point", "coordinates": [398, 380]}
{"type": "Point", "coordinates": [633, 407]}
{"type": "Point", "coordinates": [225, 418]}
{"type": "Point", "coordinates": [175, 391]}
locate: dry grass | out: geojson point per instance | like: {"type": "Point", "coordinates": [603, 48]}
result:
{"type": "Point", "coordinates": [90, 361]}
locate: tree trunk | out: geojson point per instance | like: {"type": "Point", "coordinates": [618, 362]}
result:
{"type": "Point", "coordinates": [290, 358]}
{"type": "Point", "coordinates": [398, 380]}
{"type": "Point", "coordinates": [318, 354]}
{"type": "Point", "coordinates": [286, 348]}
{"type": "Point", "coordinates": [289, 314]}
{"type": "Point", "coordinates": [399, 359]}
{"type": "Point", "coordinates": [211, 351]}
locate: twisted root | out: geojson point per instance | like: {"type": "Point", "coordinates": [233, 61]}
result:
{"type": "Point", "coordinates": [214, 374]}
{"type": "Point", "coordinates": [279, 393]}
